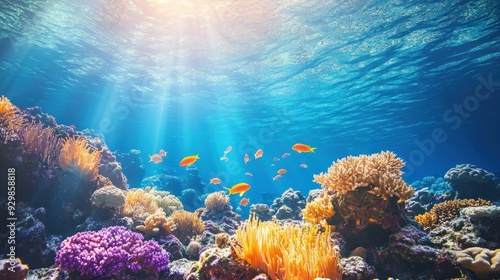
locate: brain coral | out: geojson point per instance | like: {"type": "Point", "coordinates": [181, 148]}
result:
{"type": "Point", "coordinates": [381, 173]}
{"type": "Point", "coordinates": [483, 262]}
{"type": "Point", "coordinates": [108, 197]}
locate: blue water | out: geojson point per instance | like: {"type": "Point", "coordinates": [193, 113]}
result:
{"type": "Point", "coordinates": [193, 77]}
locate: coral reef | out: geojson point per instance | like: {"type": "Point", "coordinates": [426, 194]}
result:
{"type": "Point", "coordinates": [109, 252]}
{"type": "Point", "coordinates": [289, 205]}
{"type": "Point", "coordinates": [423, 200]}
{"type": "Point", "coordinates": [188, 225]}
{"type": "Point", "coordinates": [262, 211]}
{"type": "Point", "coordinates": [178, 268]}
{"type": "Point", "coordinates": [472, 182]}
{"type": "Point", "coordinates": [132, 167]}
{"type": "Point", "coordinates": [10, 119]}
{"type": "Point", "coordinates": [76, 156]}
{"type": "Point", "coordinates": [164, 182]}
{"type": "Point", "coordinates": [191, 200]}
{"type": "Point", "coordinates": [216, 201]}
{"type": "Point", "coordinates": [155, 222]}
{"type": "Point", "coordinates": [287, 252]}
{"type": "Point", "coordinates": [108, 197]}
{"type": "Point", "coordinates": [318, 210]}
{"type": "Point", "coordinates": [193, 180]}
{"type": "Point", "coordinates": [42, 142]}
{"type": "Point", "coordinates": [141, 203]}
{"type": "Point", "coordinates": [219, 211]}
{"type": "Point", "coordinates": [355, 268]}
{"type": "Point", "coordinates": [483, 262]}
{"type": "Point", "coordinates": [13, 269]}
{"type": "Point", "coordinates": [380, 173]}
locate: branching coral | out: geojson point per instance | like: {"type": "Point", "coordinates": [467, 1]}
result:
{"type": "Point", "coordinates": [319, 209]}
{"type": "Point", "coordinates": [289, 252]}
{"type": "Point", "coordinates": [216, 201]}
{"type": "Point", "coordinates": [10, 120]}
{"type": "Point", "coordinates": [42, 142]}
{"type": "Point", "coordinates": [380, 172]}
{"type": "Point", "coordinates": [188, 225]}
{"type": "Point", "coordinates": [447, 211]}
{"type": "Point", "coordinates": [76, 157]}
{"type": "Point", "coordinates": [155, 221]}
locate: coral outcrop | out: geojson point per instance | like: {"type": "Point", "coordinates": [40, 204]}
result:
{"type": "Point", "coordinates": [472, 182]}
{"type": "Point", "coordinates": [483, 262]}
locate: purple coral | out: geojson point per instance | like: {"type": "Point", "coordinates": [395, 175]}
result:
{"type": "Point", "coordinates": [109, 251]}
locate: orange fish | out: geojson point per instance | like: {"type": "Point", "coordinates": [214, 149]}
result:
{"type": "Point", "coordinates": [302, 148]}
{"type": "Point", "coordinates": [215, 181]}
{"type": "Point", "coordinates": [163, 153]}
{"type": "Point", "coordinates": [248, 174]}
{"type": "Point", "coordinates": [259, 153]}
{"type": "Point", "coordinates": [285, 155]}
{"type": "Point", "coordinates": [156, 158]}
{"type": "Point", "coordinates": [303, 165]}
{"type": "Point", "coordinates": [246, 159]}
{"type": "Point", "coordinates": [188, 160]}
{"type": "Point", "coordinates": [228, 149]}
{"type": "Point", "coordinates": [244, 201]}
{"type": "Point", "coordinates": [276, 177]}
{"type": "Point", "coordinates": [281, 171]}
{"type": "Point", "coordinates": [240, 188]}
{"type": "Point", "coordinates": [224, 158]}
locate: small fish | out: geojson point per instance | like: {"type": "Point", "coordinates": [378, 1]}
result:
{"type": "Point", "coordinates": [188, 160]}
{"type": "Point", "coordinates": [156, 158]}
{"type": "Point", "coordinates": [215, 181]}
{"type": "Point", "coordinates": [281, 171]}
{"type": "Point", "coordinates": [285, 155]}
{"type": "Point", "coordinates": [303, 165]}
{"type": "Point", "coordinates": [163, 153]}
{"type": "Point", "coordinates": [228, 149]}
{"type": "Point", "coordinates": [259, 153]}
{"type": "Point", "coordinates": [244, 201]}
{"type": "Point", "coordinates": [224, 158]}
{"type": "Point", "coordinates": [302, 148]}
{"type": "Point", "coordinates": [240, 188]}
{"type": "Point", "coordinates": [276, 159]}
{"type": "Point", "coordinates": [248, 174]}
{"type": "Point", "coordinates": [276, 177]}
{"type": "Point", "coordinates": [272, 164]}
{"type": "Point", "coordinates": [246, 159]}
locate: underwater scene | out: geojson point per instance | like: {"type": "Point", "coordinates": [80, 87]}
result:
{"type": "Point", "coordinates": [252, 139]}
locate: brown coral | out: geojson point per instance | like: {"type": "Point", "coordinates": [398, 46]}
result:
{"type": "Point", "coordinates": [77, 157]}
{"type": "Point", "coordinates": [483, 262]}
{"type": "Point", "coordinates": [216, 201]}
{"type": "Point", "coordinates": [319, 209]}
{"type": "Point", "coordinates": [108, 197]}
{"type": "Point", "coordinates": [447, 211]}
{"type": "Point", "coordinates": [381, 173]}
{"type": "Point", "coordinates": [42, 142]}
{"type": "Point", "coordinates": [290, 252]}
{"type": "Point", "coordinates": [155, 222]}
{"type": "Point", "coordinates": [188, 224]}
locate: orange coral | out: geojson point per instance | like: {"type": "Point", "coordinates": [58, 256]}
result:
{"type": "Point", "coordinates": [10, 120]}
{"type": "Point", "coordinates": [139, 204]}
{"type": "Point", "coordinates": [289, 252]}
{"type": "Point", "coordinates": [381, 173]}
{"type": "Point", "coordinates": [42, 142]}
{"type": "Point", "coordinates": [447, 211]}
{"type": "Point", "coordinates": [75, 156]}
{"type": "Point", "coordinates": [319, 209]}
{"type": "Point", "coordinates": [154, 222]}
{"type": "Point", "coordinates": [188, 224]}
{"type": "Point", "coordinates": [216, 201]}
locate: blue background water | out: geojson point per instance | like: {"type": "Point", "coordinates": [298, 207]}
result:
{"type": "Point", "coordinates": [193, 77]}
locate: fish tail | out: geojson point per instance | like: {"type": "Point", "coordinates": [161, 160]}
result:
{"type": "Point", "coordinates": [228, 190]}
{"type": "Point", "coordinates": [312, 149]}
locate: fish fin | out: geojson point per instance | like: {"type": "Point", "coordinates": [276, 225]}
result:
{"type": "Point", "coordinates": [312, 149]}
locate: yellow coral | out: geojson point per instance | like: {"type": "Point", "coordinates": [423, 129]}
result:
{"type": "Point", "coordinates": [154, 222]}
{"type": "Point", "coordinates": [288, 252]}
{"type": "Point", "coordinates": [75, 156]}
{"type": "Point", "coordinates": [319, 209]}
{"type": "Point", "coordinates": [188, 224]}
{"type": "Point", "coordinates": [41, 142]}
{"type": "Point", "coordinates": [483, 262]}
{"type": "Point", "coordinates": [10, 120]}
{"type": "Point", "coordinates": [447, 211]}
{"type": "Point", "coordinates": [216, 201]}
{"type": "Point", "coordinates": [381, 173]}
{"type": "Point", "coordinates": [139, 204]}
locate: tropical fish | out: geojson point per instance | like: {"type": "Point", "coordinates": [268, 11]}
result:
{"type": "Point", "coordinates": [188, 160]}
{"type": "Point", "coordinates": [259, 153]}
{"type": "Point", "coordinates": [163, 153]}
{"type": "Point", "coordinates": [285, 155]}
{"type": "Point", "coordinates": [215, 181]}
{"type": "Point", "coordinates": [281, 171]}
{"type": "Point", "coordinates": [303, 165]}
{"type": "Point", "coordinates": [248, 174]}
{"type": "Point", "coordinates": [246, 159]}
{"type": "Point", "coordinates": [276, 159]}
{"type": "Point", "coordinates": [276, 177]}
{"type": "Point", "coordinates": [244, 201]}
{"type": "Point", "coordinates": [156, 158]}
{"type": "Point", "coordinates": [228, 149]}
{"type": "Point", "coordinates": [272, 164]}
{"type": "Point", "coordinates": [302, 148]}
{"type": "Point", "coordinates": [224, 158]}
{"type": "Point", "coordinates": [240, 188]}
